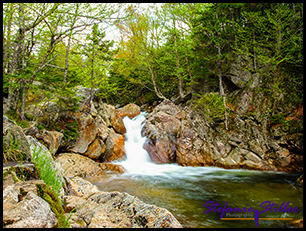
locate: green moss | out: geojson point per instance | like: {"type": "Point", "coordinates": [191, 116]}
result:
{"type": "Point", "coordinates": [22, 192]}
{"type": "Point", "coordinates": [53, 200]}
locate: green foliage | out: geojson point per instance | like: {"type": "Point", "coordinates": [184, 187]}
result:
{"type": "Point", "coordinates": [210, 104]}
{"type": "Point", "coordinates": [71, 131]}
{"type": "Point", "coordinates": [11, 150]}
{"type": "Point", "coordinates": [46, 169]}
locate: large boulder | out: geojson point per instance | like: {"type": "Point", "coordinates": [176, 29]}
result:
{"type": "Point", "coordinates": [161, 129]}
{"type": "Point", "coordinates": [101, 132]}
{"type": "Point", "coordinates": [116, 120]}
{"type": "Point", "coordinates": [96, 209]}
{"type": "Point", "coordinates": [51, 139]}
{"type": "Point", "coordinates": [15, 141]}
{"type": "Point", "coordinates": [131, 110]}
{"type": "Point", "coordinates": [114, 149]}
{"type": "Point", "coordinates": [87, 132]}
{"type": "Point", "coordinates": [78, 165]}
{"type": "Point", "coordinates": [27, 211]}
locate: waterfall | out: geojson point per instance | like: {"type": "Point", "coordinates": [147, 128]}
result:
{"type": "Point", "coordinates": [138, 160]}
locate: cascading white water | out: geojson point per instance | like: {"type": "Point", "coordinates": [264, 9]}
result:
{"type": "Point", "coordinates": [138, 160]}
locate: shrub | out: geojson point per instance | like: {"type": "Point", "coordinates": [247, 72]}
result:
{"type": "Point", "coordinates": [210, 104]}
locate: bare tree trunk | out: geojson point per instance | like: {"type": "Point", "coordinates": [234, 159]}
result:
{"type": "Point", "coordinates": [7, 33]}
{"type": "Point", "coordinates": [66, 61]}
{"type": "Point", "coordinates": [13, 95]}
{"type": "Point", "coordinates": [23, 99]}
{"type": "Point", "coordinates": [153, 77]}
{"type": "Point", "coordinates": [68, 45]}
{"type": "Point", "coordinates": [92, 80]}
{"type": "Point", "coordinates": [222, 94]}
{"type": "Point", "coordinates": [179, 74]}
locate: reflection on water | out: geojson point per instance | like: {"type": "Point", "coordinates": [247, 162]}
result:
{"type": "Point", "coordinates": [185, 190]}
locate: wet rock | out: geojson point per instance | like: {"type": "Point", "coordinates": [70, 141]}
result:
{"type": "Point", "coordinates": [161, 129]}
{"type": "Point", "coordinates": [189, 138]}
{"type": "Point", "coordinates": [110, 167]}
{"type": "Point", "coordinates": [131, 110]}
{"type": "Point", "coordinates": [78, 165]}
{"type": "Point", "coordinates": [114, 149]}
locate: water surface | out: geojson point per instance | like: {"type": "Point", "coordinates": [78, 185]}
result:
{"type": "Point", "coordinates": [184, 190]}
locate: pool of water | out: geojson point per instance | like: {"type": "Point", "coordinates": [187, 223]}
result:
{"type": "Point", "coordinates": [184, 191]}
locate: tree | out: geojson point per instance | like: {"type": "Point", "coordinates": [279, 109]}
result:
{"type": "Point", "coordinates": [214, 31]}
{"type": "Point", "coordinates": [271, 35]}
{"type": "Point", "coordinates": [16, 60]}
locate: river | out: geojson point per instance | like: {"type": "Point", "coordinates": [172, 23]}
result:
{"type": "Point", "coordinates": [185, 190]}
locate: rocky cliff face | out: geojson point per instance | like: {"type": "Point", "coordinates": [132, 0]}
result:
{"type": "Point", "coordinates": [186, 137]}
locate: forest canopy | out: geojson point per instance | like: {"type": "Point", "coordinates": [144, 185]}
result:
{"type": "Point", "coordinates": [161, 51]}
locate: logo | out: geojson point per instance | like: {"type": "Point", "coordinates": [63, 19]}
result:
{"type": "Point", "coordinates": [267, 206]}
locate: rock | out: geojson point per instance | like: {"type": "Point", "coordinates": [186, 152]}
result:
{"type": "Point", "coordinates": [95, 149]}
{"type": "Point", "coordinates": [117, 210]}
{"type": "Point", "coordinates": [32, 130]}
{"type": "Point", "coordinates": [78, 165]}
{"type": "Point", "coordinates": [110, 167]}
{"type": "Point", "coordinates": [114, 147]}
{"type": "Point", "coordinates": [188, 138]}
{"type": "Point", "coordinates": [29, 211]}
{"type": "Point", "coordinates": [13, 136]}
{"type": "Point", "coordinates": [33, 110]}
{"type": "Point", "coordinates": [77, 186]}
{"type": "Point", "coordinates": [87, 132]}
{"type": "Point", "coordinates": [51, 139]}
{"type": "Point", "coordinates": [161, 129]}
{"type": "Point", "coordinates": [116, 120]}
{"type": "Point", "coordinates": [131, 110]}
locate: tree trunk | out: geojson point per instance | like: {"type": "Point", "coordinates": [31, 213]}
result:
{"type": "Point", "coordinates": [68, 45]}
{"type": "Point", "coordinates": [153, 78]}
{"type": "Point", "coordinates": [222, 94]}
{"type": "Point", "coordinates": [92, 80]}
{"type": "Point", "coordinates": [23, 99]}
{"type": "Point", "coordinates": [13, 92]}
{"type": "Point", "coordinates": [179, 74]}
{"type": "Point", "coordinates": [66, 61]}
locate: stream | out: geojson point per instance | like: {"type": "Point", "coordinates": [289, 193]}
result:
{"type": "Point", "coordinates": [184, 190]}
